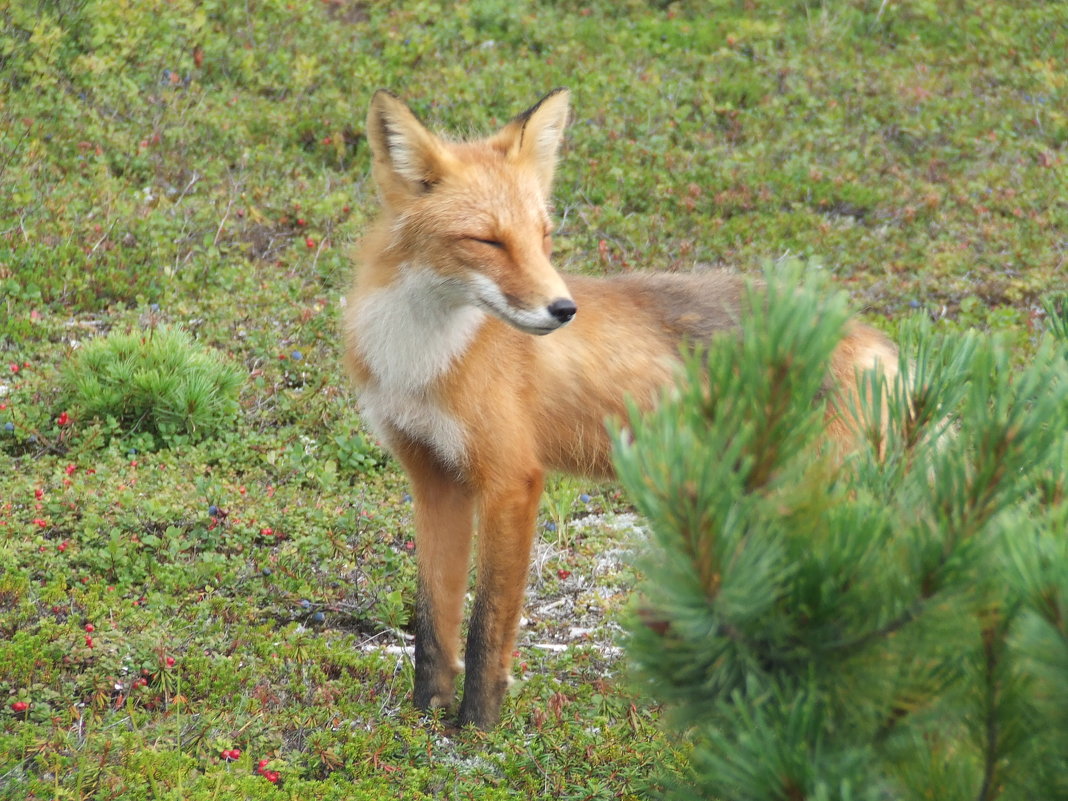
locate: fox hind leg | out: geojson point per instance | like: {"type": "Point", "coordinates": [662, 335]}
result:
{"type": "Point", "coordinates": [861, 348]}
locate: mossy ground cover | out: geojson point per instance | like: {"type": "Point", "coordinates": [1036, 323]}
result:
{"type": "Point", "coordinates": [203, 165]}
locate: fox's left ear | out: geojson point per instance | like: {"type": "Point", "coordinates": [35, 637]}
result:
{"type": "Point", "coordinates": [535, 135]}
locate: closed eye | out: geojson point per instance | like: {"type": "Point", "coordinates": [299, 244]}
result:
{"type": "Point", "coordinates": [493, 243]}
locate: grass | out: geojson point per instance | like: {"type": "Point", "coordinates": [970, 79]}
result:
{"type": "Point", "coordinates": [204, 165]}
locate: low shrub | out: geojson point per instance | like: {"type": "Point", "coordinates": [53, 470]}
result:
{"type": "Point", "coordinates": [159, 384]}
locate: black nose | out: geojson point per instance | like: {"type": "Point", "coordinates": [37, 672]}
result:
{"type": "Point", "coordinates": [563, 309]}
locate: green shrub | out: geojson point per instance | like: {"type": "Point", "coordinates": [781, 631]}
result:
{"type": "Point", "coordinates": [157, 383]}
{"type": "Point", "coordinates": [890, 628]}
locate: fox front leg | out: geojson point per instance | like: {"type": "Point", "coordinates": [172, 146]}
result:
{"type": "Point", "coordinates": [506, 534]}
{"type": "Point", "coordinates": [444, 522]}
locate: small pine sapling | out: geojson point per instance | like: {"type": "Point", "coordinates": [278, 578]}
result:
{"type": "Point", "coordinates": [891, 624]}
{"type": "Point", "coordinates": [159, 382]}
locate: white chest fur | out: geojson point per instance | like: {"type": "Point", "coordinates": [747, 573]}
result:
{"type": "Point", "coordinates": [410, 333]}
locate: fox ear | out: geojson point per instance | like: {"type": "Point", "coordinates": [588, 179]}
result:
{"type": "Point", "coordinates": [407, 158]}
{"type": "Point", "coordinates": [535, 135]}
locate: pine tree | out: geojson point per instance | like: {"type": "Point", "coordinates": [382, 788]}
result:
{"type": "Point", "coordinates": [160, 384]}
{"type": "Point", "coordinates": [894, 626]}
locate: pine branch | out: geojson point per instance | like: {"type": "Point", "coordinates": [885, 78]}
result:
{"type": "Point", "coordinates": [993, 641]}
{"type": "Point", "coordinates": [862, 641]}
{"type": "Point", "coordinates": [765, 447]}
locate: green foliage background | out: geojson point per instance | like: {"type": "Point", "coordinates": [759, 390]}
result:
{"type": "Point", "coordinates": [203, 164]}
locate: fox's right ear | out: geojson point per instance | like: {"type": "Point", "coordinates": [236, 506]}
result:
{"type": "Point", "coordinates": [407, 159]}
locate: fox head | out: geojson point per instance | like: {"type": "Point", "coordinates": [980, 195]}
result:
{"type": "Point", "coordinates": [476, 213]}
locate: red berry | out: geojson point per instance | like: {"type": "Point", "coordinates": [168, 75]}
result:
{"type": "Point", "coordinates": [170, 661]}
{"type": "Point", "coordinates": [272, 776]}
{"type": "Point", "coordinates": [38, 493]}
{"type": "Point", "coordinates": [62, 546]}
{"type": "Point", "coordinates": [89, 627]}
{"type": "Point", "coordinates": [309, 243]}
{"type": "Point", "coordinates": [235, 753]}
{"type": "Point", "coordinates": [88, 641]}
{"type": "Point", "coordinates": [63, 419]}
{"type": "Point", "coordinates": [19, 706]}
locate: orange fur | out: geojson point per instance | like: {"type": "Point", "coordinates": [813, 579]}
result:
{"type": "Point", "coordinates": [460, 338]}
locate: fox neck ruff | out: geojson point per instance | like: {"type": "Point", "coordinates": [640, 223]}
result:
{"type": "Point", "coordinates": [409, 333]}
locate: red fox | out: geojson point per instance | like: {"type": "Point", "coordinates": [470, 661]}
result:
{"type": "Point", "coordinates": [481, 368]}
